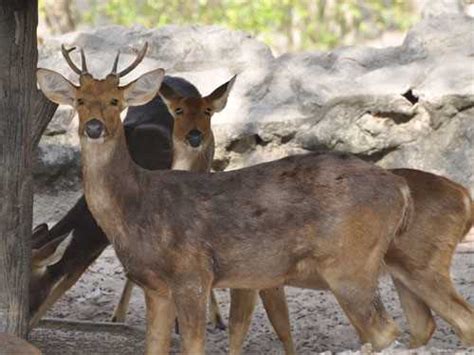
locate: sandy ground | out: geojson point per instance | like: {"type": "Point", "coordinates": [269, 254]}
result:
{"type": "Point", "coordinates": [318, 324]}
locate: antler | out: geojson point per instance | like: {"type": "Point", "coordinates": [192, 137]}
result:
{"type": "Point", "coordinates": [132, 66]}
{"type": "Point", "coordinates": [69, 61]}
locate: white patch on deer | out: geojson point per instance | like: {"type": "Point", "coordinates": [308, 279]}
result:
{"type": "Point", "coordinates": [99, 140]}
{"type": "Point", "coordinates": [184, 156]}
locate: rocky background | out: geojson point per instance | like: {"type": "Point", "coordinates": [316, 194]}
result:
{"type": "Point", "coordinates": [405, 106]}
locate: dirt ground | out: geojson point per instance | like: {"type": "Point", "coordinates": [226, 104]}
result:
{"type": "Point", "coordinates": [318, 323]}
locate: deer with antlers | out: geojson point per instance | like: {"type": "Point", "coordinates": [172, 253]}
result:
{"type": "Point", "coordinates": [193, 149]}
{"type": "Point", "coordinates": [317, 221]}
{"type": "Point", "coordinates": [147, 130]}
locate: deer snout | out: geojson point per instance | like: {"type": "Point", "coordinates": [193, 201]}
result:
{"type": "Point", "coordinates": [94, 128]}
{"type": "Point", "coordinates": [194, 138]}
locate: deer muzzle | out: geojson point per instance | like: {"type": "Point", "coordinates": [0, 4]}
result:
{"type": "Point", "coordinates": [94, 129]}
{"type": "Point", "coordinates": [194, 138]}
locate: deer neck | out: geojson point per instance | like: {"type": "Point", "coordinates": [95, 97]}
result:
{"type": "Point", "coordinates": [110, 179]}
{"type": "Point", "coordinates": [193, 159]}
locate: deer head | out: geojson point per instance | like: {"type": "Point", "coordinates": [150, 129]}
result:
{"type": "Point", "coordinates": [99, 102]}
{"type": "Point", "coordinates": [46, 254]}
{"type": "Point", "coordinates": [192, 115]}
{"type": "Point", "coordinates": [43, 255]}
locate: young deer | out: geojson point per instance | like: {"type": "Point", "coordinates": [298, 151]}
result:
{"type": "Point", "coordinates": [193, 150]}
{"type": "Point", "coordinates": [419, 260]}
{"type": "Point", "coordinates": [315, 221]}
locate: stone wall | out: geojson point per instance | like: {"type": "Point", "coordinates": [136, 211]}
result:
{"type": "Point", "coordinates": [405, 106]}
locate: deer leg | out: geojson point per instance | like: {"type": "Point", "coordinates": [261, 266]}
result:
{"type": "Point", "coordinates": [242, 304]}
{"type": "Point", "coordinates": [437, 291]}
{"type": "Point", "coordinates": [355, 288]}
{"type": "Point", "coordinates": [120, 311]}
{"type": "Point", "coordinates": [191, 297]}
{"type": "Point", "coordinates": [215, 314]}
{"type": "Point", "coordinates": [274, 302]}
{"type": "Point", "coordinates": [367, 314]}
{"type": "Point", "coordinates": [160, 316]}
{"type": "Point", "coordinates": [418, 315]}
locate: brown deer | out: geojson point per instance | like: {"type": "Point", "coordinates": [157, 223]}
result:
{"type": "Point", "coordinates": [148, 134]}
{"type": "Point", "coordinates": [316, 221]}
{"type": "Point", "coordinates": [12, 345]}
{"type": "Point", "coordinates": [419, 260]}
{"type": "Point", "coordinates": [193, 150]}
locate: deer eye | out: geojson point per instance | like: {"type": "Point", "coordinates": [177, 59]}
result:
{"type": "Point", "coordinates": [208, 112]}
{"type": "Point", "coordinates": [80, 102]}
{"type": "Point", "coordinates": [114, 102]}
{"type": "Point", "coordinates": [178, 111]}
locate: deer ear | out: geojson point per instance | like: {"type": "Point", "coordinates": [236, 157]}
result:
{"type": "Point", "coordinates": [56, 87]}
{"type": "Point", "coordinates": [143, 89]}
{"type": "Point", "coordinates": [218, 98]}
{"type": "Point", "coordinates": [51, 253]}
{"type": "Point", "coordinates": [168, 94]}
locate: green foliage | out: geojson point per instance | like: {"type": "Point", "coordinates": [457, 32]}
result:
{"type": "Point", "coordinates": [292, 24]}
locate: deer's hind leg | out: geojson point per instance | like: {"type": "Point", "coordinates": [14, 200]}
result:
{"type": "Point", "coordinates": [418, 315]}
{"type": "Point", "coordinates": [242, 306]}
{"type": "Point", "coordinates": [215, 314]}
{"type": "Point", "coordinates": [355, 288]}
{"type": "Point", "coordinates": [274, 302]}
{"type": "Point", "coordinates": [437, 291]}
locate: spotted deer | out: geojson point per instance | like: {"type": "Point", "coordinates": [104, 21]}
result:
{"type": "Point", "coordinates": [317, 221]}
{"type": "Point", "coordinates": [193, 150]}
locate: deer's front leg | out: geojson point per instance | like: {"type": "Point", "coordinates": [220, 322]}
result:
{"type": "Point", "coordinates": [160, 316]}
{"type": "Point", "coordinates": [191, 296]}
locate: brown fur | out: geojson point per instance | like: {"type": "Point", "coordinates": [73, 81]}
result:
{"type": "Point", "coordinates": [49, 280]}
{"type": "Point", "coordinates": [319, 220]}
{"type": "Point", "coordinates": [199, 159]}
{"type": "Point", "coordinates": [420, 258]}
{"type": "Point", "coordinates": [187, 158]}
{"type": "Point", "coordinates": [12, 345]}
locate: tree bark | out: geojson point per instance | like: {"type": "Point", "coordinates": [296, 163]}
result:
{"type": "Point", "coordinates": [22, 109]}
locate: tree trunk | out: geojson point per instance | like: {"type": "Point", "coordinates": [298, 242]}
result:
{"type": "Point", "coordinates": [23, 115]}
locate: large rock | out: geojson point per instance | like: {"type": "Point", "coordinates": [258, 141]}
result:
{"type": "Point", "coordinates": [406, 106]}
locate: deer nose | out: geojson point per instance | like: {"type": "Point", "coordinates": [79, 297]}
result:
{"type": "Point", "coordinates": [194, 138]}
{"type": "Point", "coordinates": [94, 128]}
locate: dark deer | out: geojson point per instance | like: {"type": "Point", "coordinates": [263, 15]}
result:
{"type": "Point", "coordinates": [317, 221]}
